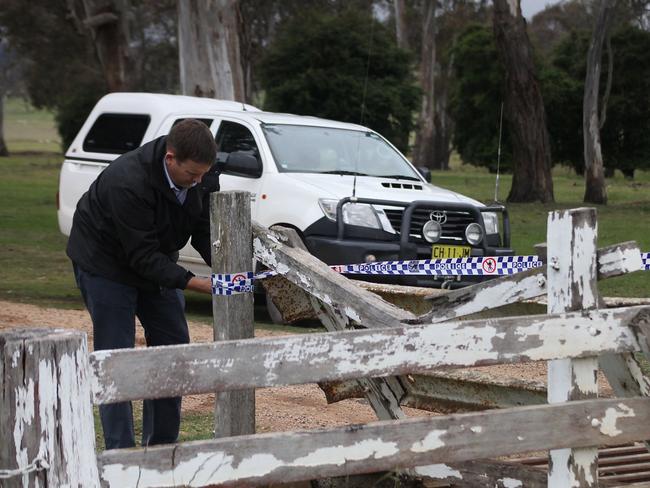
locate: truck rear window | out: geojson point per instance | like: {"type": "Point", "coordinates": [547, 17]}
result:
{"type": "Point", "coordinates": [116, 133]}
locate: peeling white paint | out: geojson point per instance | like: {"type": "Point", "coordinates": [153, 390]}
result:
{"type": "Point", "coordinates": [23, 420]}
{"type": "Point", "coordinates": [14, 358]}
{"type": "Point", "coordinates": [558, 474]}
{"type": "Point", "coordinates": [76, 419]}
{"type": "Point", "coordinates": [430, 442]}
{"type": "Point", "coordinates": [339, 455]}
{"type": "Point", "coordinates": [584, 375]}
{"type": "Point", "coordinates": [583, 459]}
{"type": "Point", "coordinates": [48, 398]}
{"type": "Point", "coordinates": [352, 314]}
{"type": "Point", "coordinates": [500, 294]}
{"type": "Point", "coordinates": [477, 429]}
{"type": "Point", "coordinates": [207, 468]}
{"type": "Point", "coordinates": [625, 260]}
{"type": "Point", "coordinates": [608, 423]}
{"type": "Point", "coordinates": [584, 261]}
{"type": "Point", "coordinates": [511, 483]}
{"type": "Point", "coordinates": [438, 471]}
{"type": "Point", "coordinates": [282, 268]}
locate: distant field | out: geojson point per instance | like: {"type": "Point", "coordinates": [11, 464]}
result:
{"type": "Point", "coordinates": [34, 268]}
{"type": "Point", "coordinates": [28, 129]}
{"type": "Point", "coordinates": [625, 218]}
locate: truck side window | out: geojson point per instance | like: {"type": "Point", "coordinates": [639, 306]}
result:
{"type": "Point", "coordinates": [233, 137]}
{"type": "Point", "coordinates": [234, 142]}
{"type": "Point", "coordinates": [116, 133]}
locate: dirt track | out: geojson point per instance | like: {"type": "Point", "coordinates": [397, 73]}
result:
{"type": "Point", "coordinates": [278, 409]}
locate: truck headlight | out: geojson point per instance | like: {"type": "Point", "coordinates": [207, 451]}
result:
{"type": "Point", "coordinates": [491, 221]}
{"type": "Point", "coordinates": [329, 208]}
{"type": "Point", "coordinates": [474, 233]}
{"type": "Point", "coordinates": [360, 214]}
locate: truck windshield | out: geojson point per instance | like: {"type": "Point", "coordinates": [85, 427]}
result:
{"type": "Point", "coordinates": [308, 149]}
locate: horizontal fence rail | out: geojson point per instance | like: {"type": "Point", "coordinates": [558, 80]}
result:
{"type": "Point", "coordinates": [120, 375]}
{"type": "Point", "coordinates": [615, 260]}
{"type": "Point", "coordinates": [378, 446]}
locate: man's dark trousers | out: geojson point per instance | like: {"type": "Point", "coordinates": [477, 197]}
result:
{"type": "Point", "coordinates": [113, 308]}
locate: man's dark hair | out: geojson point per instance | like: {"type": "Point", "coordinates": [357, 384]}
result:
{"type": "Point", "coordinates": [191, 139]}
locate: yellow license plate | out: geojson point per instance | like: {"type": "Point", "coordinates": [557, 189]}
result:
{"type": "Point", "coordinates": [445, 252]}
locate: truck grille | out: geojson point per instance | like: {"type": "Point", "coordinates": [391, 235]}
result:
{"type": "Point", "coordinates": [452, 231]}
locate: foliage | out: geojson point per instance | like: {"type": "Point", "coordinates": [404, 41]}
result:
{"type": "Point", "coordinates": [624, 138]}
{"type": "Point", "coordinates": [59, 63]}
{"type": "Point", "coordinates": [317, 65]}
{"type": "Point", "coordinates": [58, 60]}
{"type": "Point", "coordinates": [476, 100]}
{"type": "Point", "coordinates": [477, 96]}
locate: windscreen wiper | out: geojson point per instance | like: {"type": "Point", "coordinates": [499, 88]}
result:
{"type": "Point", "coordinates": [343, 172]}
{"type": "Point", "coordinates": [399, 177]}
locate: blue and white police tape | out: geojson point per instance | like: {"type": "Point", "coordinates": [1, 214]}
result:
{"type": "Point", "coordinates": [645, 260]}
{"type": "Point", "coordinates": [476, 266]}
{"type": "Point", "coordinates": [229, 284]}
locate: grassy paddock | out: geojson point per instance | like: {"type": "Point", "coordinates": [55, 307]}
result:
{"type": "Point", "coordinates": [34, 268]}
{"type": "Point", "coordinates": [625, 218]}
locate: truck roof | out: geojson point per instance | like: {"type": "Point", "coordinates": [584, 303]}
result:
{"type": "Point", "coordinates": [292, 119]}
{"type": "Point", "coordinates": [161, 104]}
{"type": "Point", "coordinates": [132, 102]}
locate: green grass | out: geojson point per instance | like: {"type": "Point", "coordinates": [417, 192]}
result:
{"type": "Point", "coordinates": [35, 269]}
{"type": "Point", "coordinates": [28, 129]}
{"type": "Point", "coordinates": [625, 218]}
{"type": "Point", "coordinates": [194, 426]}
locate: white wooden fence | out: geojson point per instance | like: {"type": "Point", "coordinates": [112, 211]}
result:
{"type": "Point", "coordinates": [49, 381]}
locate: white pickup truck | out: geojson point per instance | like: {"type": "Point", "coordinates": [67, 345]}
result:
{"type": "Point", "coordinates": [349, 193]}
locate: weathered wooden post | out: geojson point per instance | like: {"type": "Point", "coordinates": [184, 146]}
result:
{"type": "Point", "coordinates": [47, 434]}
{"type": "Point", "coordinates": [572, 286]}
{"type": "Point", "coordinates": [230, 224]}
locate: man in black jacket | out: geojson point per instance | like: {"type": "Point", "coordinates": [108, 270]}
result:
{"type": "Point", "coordinates": [126, 233]}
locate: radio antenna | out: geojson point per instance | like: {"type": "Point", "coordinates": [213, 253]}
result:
{"type": "Point", "coordinates": [363, 106]}
{"type": "Point", "coordinates": [496, 183]}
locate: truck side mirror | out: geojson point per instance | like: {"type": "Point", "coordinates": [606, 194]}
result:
{"type": "Point", "coordinates": [239, 163]}
{"type": "Point", "coordinates": [424, 171]}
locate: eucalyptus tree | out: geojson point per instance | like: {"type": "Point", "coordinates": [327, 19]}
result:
{"type": "Point", "coordinates": [524, 107]}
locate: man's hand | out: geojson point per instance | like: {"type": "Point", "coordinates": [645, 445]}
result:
{"type": "Point", "coordinates": [202, 285]}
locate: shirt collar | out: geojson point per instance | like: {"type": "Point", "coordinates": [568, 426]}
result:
{"type": "Point", "coordinates": [169, 179]}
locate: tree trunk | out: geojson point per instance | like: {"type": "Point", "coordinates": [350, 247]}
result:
{"type": "Point", "coordinates": [208, 48]}
{"type": "Point", "coordinates": [524, 107]}
{"type": "Point", "coordinates": [444, 124]}
{"type": "Point", "coordinates": [400, 24]}
{"type": "Point", "coordinates": [595, 189]}
{"type": "Point", "coordinates": [108, 21]}
{"type": "Point", "coordinates": [423, 152]}
{"type": "Point", "coordinates": [3, 147]}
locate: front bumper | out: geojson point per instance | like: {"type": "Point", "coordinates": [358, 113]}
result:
{"type": "Point", "coordinates": [354, 245]}
{"type": "Point", "coordinates": [352, 251]}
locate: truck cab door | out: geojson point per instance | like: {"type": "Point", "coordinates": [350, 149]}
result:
{"type": "Point", "coordinates": [235, 136]}
{"type": "Point", "coordinates": [231, 136]}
